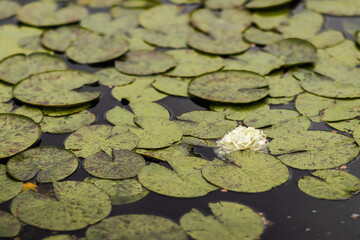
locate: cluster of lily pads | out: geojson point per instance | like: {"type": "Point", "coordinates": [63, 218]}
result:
{"type": "Point", "coordinates": [242, 57]}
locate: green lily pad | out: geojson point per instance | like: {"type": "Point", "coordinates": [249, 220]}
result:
{"type": "Point", "coordinates": [231, 221]}
{"type": "Point", "coordinates": [149, 109]}
{"type": "Point", "coordinates": [93, 48]}
{"type": "Point", "coordinates": [198, 141]}
{"type": "Point", "coordinates": [246, 171]}
{"type": "Point", "coordinates": [135, 37]}
{"type": "Point", "coordinates": [5, 92]}
{"type": "Point", "coordinates": [230, 87]}
{"type": "Point", "coordinates": [92, 139]}
{"type": "Point", "coordinates": [135, 4]}
{"type": "Point", "coordinates": [270, 19]}
{"type": "Point", "coordinates": [335, 7]}
{"type": "Point", "coordinates": [314, 150]}
{"type": "Point", "coordinates": [120, 116]}
{"type": "Point", "coordinates": [8, 9]}
{"type": "Point", "coordinates": [9, 187]}
{"type": "Point", "coordinates": [61, 237]}
{"type": "Point", "coordinates": [172, 86]}
{"type": "Point", "coordinates": [293, 51]}
{"type": "Point", "coordinates": [77, 205]}
{"type": "Point", "coordinates": [205, 124]}
{"type": "Point", "coordinates": [330, 184]}
{"type": "Point", "coordinates": [138, 91]}
{"type": "Point", "coordinates": [46, 14]}
{"type": "Point", "coordinates": [156, 132]}
{"type": "Point", "coordinates": [124, 164]}
{"type": "Point", "coordinates": [48, 164]}
{"type": "Point", "coordinates": [58, 112]}
{"type": "Point", "coordinates": [254, 61]}
{"type": "Point", "coordinates": [65, 124]}
{"type": "Point", "coordinates": [221, 4]}
{"type": "Point", "coordinates": [239, 112]}
{"type": "Point", "coordinates": [6, 107]}
{"type": "Point", "coordinates": [55, 89]}
{"type": "Point", "coordinates": [112, 77]}
{"type": "Point", "coordinates": [345, 126]}
{"type": "Point", "coordinates": [283, 84]}
{"type": "Point", "coordinates": [192, 64]}
{"type": "Point", "coordinates": [9, 225]}
{"type": "Point", "coordinates": [256, 4]}
{"type": "Point", "coordinates": [121, 191]}
{"type": "Point", "coordinates": [342, 110]}
{"type": "Point", "coordinates": [17, 67]}
{"type": "Point", "coordinates": [346, 52]}
{"type": "Point", "coordinates": [356, 134]}
{"type": "Point", "coordinates": [163, 154]}
{"type": "Point", "coordinates": [145, 63]}
{"type": "Point", "coordinates": [185, 180]}
{"type": "Point", "coordinates": [351, 25]}
{"type": "Point", "coordinates": [31, 112]}
{"type": "Point", "coordinates": [220, 45]}
{"type": "Point", "coordinates": [282, 128]}
{"type": "Point", "coordinates": [128, 227]}
{"type": "Point", "coordinates": [17, 134]}
{"type": "Point", "coordinates": [279, 100]}
{"type": "Point", "coordinates": [327, 38]}
{"type": "Point", "coordinates": [102, 23]}
{"type": "Point", "coordinates": [261, 37]}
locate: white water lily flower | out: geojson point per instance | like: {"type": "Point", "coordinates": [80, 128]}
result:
{"type": "Point", "coordinates": [241, 138]}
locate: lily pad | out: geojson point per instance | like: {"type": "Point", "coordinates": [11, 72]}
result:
{"type": "Point", "coordinates": [48, 164]}
{"type": "Point", "coordinates": [239, 112]}
{"type": "Point", "coordinates": [246, 171]}
{"type": "Point", "coordinates": [6, 107]}
{"type": "Point", "coordinates": [270, 19]}
{"type": "Point", "coordinates": [346, 52]}
{"type": "Point", "coordinates": [121, 191]}
{"type": "Point", "coordinates": [330, 184]}
{"type": "Point", "coordinates": [312, 106]}
{"type": "Point", "coordinates": [314, 150]}
{"type": "Point", "coordinates": [283, 84]}
{"type": "Point", "coordinates": [163, 154]}
{"type": "Point", "coordinates": [124, 164]}
{"type": "Point", "coordinates": [9, 187]}
{"type": "Point", "coordinates": [231, 221]}
{"type": "Point", "coordinates": [172, 86]}
{"type": "Point", "coordinates": [256, 4]}
{"type": "Point", "coordinates": [145, 63]}
{"type": "Point", "coordinates": [128, 227]}
{"type": "Point", "coordinates": [149, 109]}
{"type": "Point", "coordinates": [279, 100]}
{"type": "Point", "coordinates": [92, 139]}
{"type": "Point", "coordinates": [335, 7]}
{"type": "Point", "coordinates": [77, 205]}
{"type": "Point", "coordinates": [261, 37]}
{"type": "Point", "coordinates": [192, 64]}
{"type": "Point", "coordinates": [120, 116]}
{"type": "Point", "coordinates": [221, 4]}
{"type": "Point", "coordinates": [61, 237]}
{"type": "Point", "coordinates": [291, 126]}
{"type": "Point", "coordinates": [230, 87]}
{"type": "Point", "coordinates": [156, 132]}
{"type": "Point", "coordinates": [356, 134]}
{"type": "Point", "coordinates": [17, 134]}
{"type": "Point", "coordinates": [138, 91]}
{"type": "Point", "coordinates": [46, 14]}
{"type": "Point", "coordinates": [184, 180]}
{"type": "Point", "coordinates": [9, 225]}
{"type": "Point", "coordinates": [8, 9]}
{"type": "Point", "coordinates": [5, 92]}
{"type": "Point", "coordinates": [17, 67]}
{"type": "Point", "coordinates": [345, 126]}
{"type": "Point", "coordinates": [56, 89]}
{"type": "Point", "coordinates": [293, 51]}
{"type": "Point", "coordinates": [112, 77]}
{"type": "Point", "coordinates": [342, 110]}
{"type": "Point", "coordinates": [58, 112]}
{"type": "Point", "coordinates": [31, 112]}
{"type": "Point", "coordinates": [135, 38]}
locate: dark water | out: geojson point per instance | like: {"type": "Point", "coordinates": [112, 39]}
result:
{"type": "Point", "coordinates": [293, 214]}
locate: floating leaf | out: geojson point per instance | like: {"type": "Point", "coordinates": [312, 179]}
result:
{"type": "Point", "coordinates": [330, 184]}
{"type": "Point", "coordinates": [120, 116]}
{"type": "Point", "coordinates": [92, 139]}
{"type": "Point", "coordinates": [293, 51]}
{"type": "Point", "coordinates": [77, 205]}
{"type": "Point", "coordinates": [356, 134]}
{"type": "Point", "coordinates": [48, 164]}
{"type": "Point", "coordinates": [283, 84]}
{"type": "Point", "coordinates": [328, 38]}
{"type": "Point", "coordinates": [239, 112]}
{"type": "Point", "coordinates": [314, 149]}
{"type": "Point", "coordinates": [230, 221]}
{"type": "Point", "coordinates": [68, 123]}
{"type": "Point", "coordinates": [61, 237]}
{"type": "Point", "coordinates": [136, 39]}
{"type": "Point", "coordinates": [128, 227]}
{"type": "Point", "coordinates": [9, 225]}
{"type": "Point", "coordinates": [17, 134]}
{"type": "Point", "coordinates": [221, 4]}
{"type": "Point", "coordinates": [9, 188]}
{"type": "Point", "coordinates": [335, 7]}
{"type": "Point", "coordinates": [46, 14]}
{"type": "Point", "coordinates": [256, 4]}
{"type": "Point", "coordinates": [192, 64]}
{"type": "Point", "coordinates": [99, 3]}
{"type": "Point", "coordinates": [5, 92]}
{"type": "Point", "coordinates": [258, 36]}
{"type": "Point", "coordinates": [346, 126]}
{"type": "Point", "coordinates": [58, 112]}
{"type": "Point", "coordinates": [342, 110]}
{"type": "Point", "coordinates": [351, 25]}
{"type": "Point", "coordinates": [31, 112]}
{"type": "Point", "coordinates": [184, 180]}
{"type": "Point", "coordinates": [8, 9]}
{"type": "Point", "coordinates": [148, 109]}
{"type": "Point", "coordinates": [124, 164]}
{"type": "Point", "coordinates": [246, 171]}
{"type": "Point", "coordinates": [280, 100]}
{"type": "Point", "coordinates": [287, 127]}
{"type": "Point", "coordinates": [172, 86]}
{"type": "Point", "coordinates": [346, 52]}
{"type": "Point", "coordinates": [6, 107]}
{"type": "Point", "coordinates": [56, 89]}
{"type": "Point", "coordinates": [156, 132]}
{"type": "Point", "coordinates": [112, 77]}
{"type": "Point", "coordinates": [17, 67]}
{"type": "Point", "coordinates": [121, 191]}
{"type": "Point", "coordinates": [145, 63]}
{"type": "Point", "coordinates": [270, 19]}
{"type": "Point", "coordinates": [230, 87]}
{"type": "Point", "coordinates": [163, 154]}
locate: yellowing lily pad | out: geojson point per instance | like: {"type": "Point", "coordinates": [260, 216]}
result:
{"type": "Point", "coordinates": [356, 134]}
{"type": "Point", "coordinates": [270, 19]}
{"type": "Point", "coordinates": [256, 4]}
{"type": "Point", "coordinates": [286, 127]}
{"type": "Point", "coordinates": [58, 112]}
{"type": "Point", "coordinates": [172, 86]}
{"type": "Point", "coordinates": [120, 116]}
{"type": "Point", "coordinates": [9, 225]}
{"type": "Point", "coordinates": [221, 4]}
{"type": "Point", "coordinates": [5, 92]}
{"type": "Point", "coordinates": [31, 112]}
{"type": "Point", "coordinates": [9, 187]}
{"type": "Point", "coordinates": [112, 77]}
{"type": "Point", "coordinates": [8, 9]}
{"type": "Point", "coordinates": [346, 125]}
{"type": "Point", "coordinates": [48, 164]}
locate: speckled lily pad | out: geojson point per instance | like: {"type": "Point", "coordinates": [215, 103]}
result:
{"type": "Point", "coordinates": [6, 107]}
{"type": "Point", "coordinates": [56, 89]}
{"type": "Point", "coordinates": [61, 237]}
{"type": "Point", "coordinates": [270, 19]}
{"type": "Point", "coordinates": [136, 226]}
{"type": "Point", "coordinates": [9, 225]}
{"type": "Point", "coordinates": [58, 112]}
{"type": "Point", "coordinates": [112, 77]}
{"type": "Point", "coordinates": [230, 87]}
{"type": "Point", "coordinates": [8, 9]}
{"type": "Point", "coordinates": [31, 112]}
{"type": "Point", "coordinates": [77, 205]}
{"type": "Point", "coordinates": [335, 7]}
{"type": "Point", "coordinates": [123, 164]}
{"type": "Point", "coordinates": [175, 150]}
{"type": "Point", "coordinates": [17, 134]}
{"type": "Point", "coordinates": [46, 14]}
{"type": "Point", "coordinates": [9, 188]}
{"type": "Point", "coordinates": [286, 127]}
{"type": "Point", "coordinates": [283, 84]}
{"type": "Point", "coordinates": [221, 4]}
{"type": "Point", "coordinates": [261, 37]}
{"type": "Point", "coordinates": [120, 116]}
{"type": "Point", "coordinates": [356, 134]}
{"type": "Point", "coordinates": [185, 180]}
{"type": "Point", "coordinates": [256, 4]}
{"type": "Point", "coordinates": [342, 110]}
{"type": "Point", "coordinates": [172, 86]}
{"type": "Point", "coordinates": [239, 112]}
{"type": "Point", "coordinates": [330, 184]}
{"type": "Point", "coordinates": [229, 221]}
{"type": "Point", "coordinates": [5, 92]}
{"type": "Point", "coordinates": [346, 52]}
{"type": "Point", "coordinates": [48, 164]}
